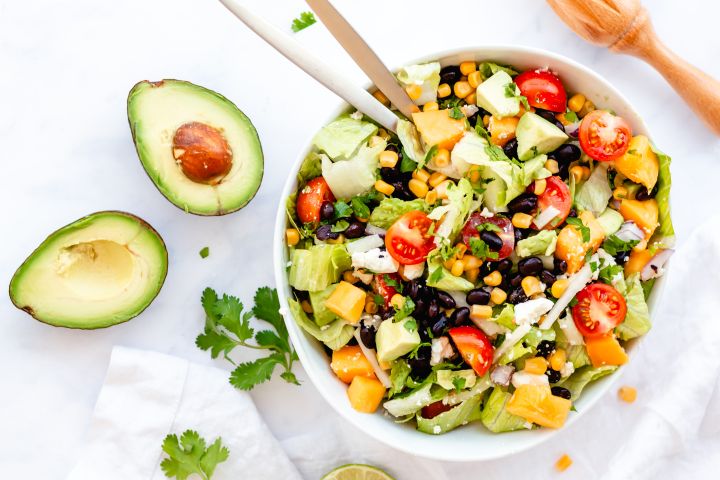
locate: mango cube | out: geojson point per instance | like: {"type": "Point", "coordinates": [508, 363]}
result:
{"type": "Point", "coordinates": [347, 302]}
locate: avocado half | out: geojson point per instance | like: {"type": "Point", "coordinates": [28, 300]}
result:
{"type": "Point", "coordinates": [200, 150]}
{"type": "Point", "coordinates": [98, 271]}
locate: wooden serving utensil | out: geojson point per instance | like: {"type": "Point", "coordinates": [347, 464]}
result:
{"type": "Point", "coordinates": [624, 26]}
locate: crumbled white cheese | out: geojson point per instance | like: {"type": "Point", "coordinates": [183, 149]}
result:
{"type": "Point", "coordinates": [440, 350]}
{"type": "Point", "coordinates": [437, 430]}
{"type": "Point", "coordinates": [371, 320]}
{"type": "Point", "coordinates": [567, 369]}
{"type": "Point", "coordinates": [530, 312]}
{"type": "Point", "coordinates": [469, 110]}
{"type": "Point", "coordinates": [364, 277]}
{"type": "Point", "coordinates": [412, 272]}
{"type": "Point", "coordinates": [375, 260]}
{"type": "Point", "coordinates": [356, 115]}
{"type": "Point", "coordinates": [486, 213]}
{"type": "Point", "coordinates": [524, 378]}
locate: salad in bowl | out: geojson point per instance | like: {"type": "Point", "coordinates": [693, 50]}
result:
{"type": "Point", "coordinates": [489, 260]}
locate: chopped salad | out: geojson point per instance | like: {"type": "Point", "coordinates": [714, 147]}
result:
{"type": "Point", "coordinates": [488, 261]}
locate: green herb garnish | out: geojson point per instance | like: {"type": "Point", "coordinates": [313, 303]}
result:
{"type": "Point", "coordinates": [577, 223]}
{"type": "Point", "coordinates": [191, 455]}
{"type": "Point", "coordinates": [204, 252]}
{"type": "Point", "coordinates": [303, 21]}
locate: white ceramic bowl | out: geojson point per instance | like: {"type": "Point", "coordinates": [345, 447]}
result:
{"type": "Point", "coordinates": [472, 442]}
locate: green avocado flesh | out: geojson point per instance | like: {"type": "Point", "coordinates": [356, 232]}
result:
{"type": "Point", "coordinates": [157, 109]}
{"type": "Point", "coordinates": [99, 271]}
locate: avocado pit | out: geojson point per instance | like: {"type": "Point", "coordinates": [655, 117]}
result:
{"type": "Point", "coordinates": [202, 152]}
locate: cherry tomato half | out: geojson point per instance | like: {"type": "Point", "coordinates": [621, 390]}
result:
{"type": "Point", "coordinates": [311, 198]}
{"type": "Point", "coordinates": [435, 409]}
{"type": "Point", "coordinates": [542, 90]}
{"type": "Point", "coordinates": [506, 233]}
{"type": "Point", "coordinates": [475, 347]}
{"type": "Point", "coordinates": [599, 309]}
{"type": "Point", "coordinates": [382, 288]}
{"type": "Point", "coordinates": [556, 195]}
{"type": "Point", "coordinates": [407, 240]}
{"type": "Point", "coordinates": [604, 136]}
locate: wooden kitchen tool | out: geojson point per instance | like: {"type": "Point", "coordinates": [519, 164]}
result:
{"type": "Point", "coordinates": [624, 26]}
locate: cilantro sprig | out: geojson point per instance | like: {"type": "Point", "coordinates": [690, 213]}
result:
{"type": "Point", "coordinates": [481, 250]}
{"type": "Point", "coordinates": [584, 230]}
{"type": "Point", "coordinates": [303, 21]}
{"type": "Point", "coordinates": [227, 326]}
{"type": "Point", "coordinates": [190, 455]}
{"type": "Point", "coordinates": [613, 245]}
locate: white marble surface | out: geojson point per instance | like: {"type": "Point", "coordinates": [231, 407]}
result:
{"type": "Point", "coordinates": [65, 70]}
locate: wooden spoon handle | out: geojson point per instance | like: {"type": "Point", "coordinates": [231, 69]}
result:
{"type": "Point", "coordinates": [699, 90]}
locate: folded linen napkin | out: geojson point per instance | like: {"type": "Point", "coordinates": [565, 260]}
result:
{"type": "Point", "coordinates": [147, 395]}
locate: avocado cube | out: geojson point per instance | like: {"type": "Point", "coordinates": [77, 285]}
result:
{"type": "Point", "coordinates": [611, 221]}
{"type": "Point", "coordinates": [347, 302]}
{"type": "Point", "coordinates": [536, 136]}
{"type": "Point", "coordinates": [446, 378]}
{"type": "Point", "coordinates": [395, 339]}
{"type": "Point", "coordinates": [492, 96]}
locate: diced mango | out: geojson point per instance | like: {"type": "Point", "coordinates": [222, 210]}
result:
{"type": "Point", "coordinates": [537, 404]}
{"type": "Point", "coordinates": [437, 127]}
{"type": "Point", "coordinates": [365, 394]}
{"type": "Point", "coordinates": [563, 463]}
{"type": "Point", "coordinates": [502, 130]}
{"type": "Point", "coordinates": [639, 163]}
{"type": "Point", "coordinates": [643, 212]}
{"type": "Point", "coordinates": [627, 394]}
{"type": "Point", "coordinates": [605, 350]}
{"type": "Point", "coordinates": [347, 302]}
{"type": "Point", "coordinates": [570, 245]}
{"type": "Point", "coordinates": [637, 261]}
{"type": "Point", "coordinates": [350, 362]}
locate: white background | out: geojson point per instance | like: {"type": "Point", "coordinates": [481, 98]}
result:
{"type": "Point", "coordinates": [66, 151]}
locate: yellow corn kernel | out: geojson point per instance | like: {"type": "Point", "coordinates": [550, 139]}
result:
{"type": "Point", "coordinates": [449, 263]}
{"type": "Point", "coordinates": [557, 359]}
{"type": "Point", "coordinates": [498, 296]}
{"type": "Point", "coordinates": [376, 140]}
{"type": "Point", "coordinates": [349, 277]}
{"type": "Point", "coordinates": [576, 102]}
{"type": "Point", "coordinates": [563, 463]}
{"type": "Point", "coordinates": [540, 186]}
{"type": "Point", "coordinates": [562, 119]}
{"type": "Point", "coordinates": [305, 305]}
{"type": "Point", "coordinates": [472, 275]}
{"type": "Point", "coordinates": [460, 249]}
{"type": "Point", "coordinates": [442, 189]}
{"type": "Point", "coordinates": [458, 267]}
{"type": "Point", "coordinates": [431, 197]}
{"type": "Point", "coordinates": [486, 120]}
{"type": "Point", "coordinates": [587, 107]}
{"type": "Point", "coordinates": [552, 166]}
{"type": "Point", "coordinates": [413, 91]}
{"type": "Point", "coordinates": [522, 220]}
{"type": "Point", "coordinates": [474, 79]}
{"type": "Point", "coordinates": [493, 279]}
{"type": "Point", "coordinates": [620, 192]}
{"type": "Point", "coordinates": [531, 285]}
{"type": "Point", "coordinates": [430, 106]}
{"type": "Point", "coordinates": [462, 89]}
{"type": "Point", "coordinates": [397, 301]}
{"type": "Point", "coordinates": [292, 236]}
{"type": "Point", "coordinates": [466, 68]}
{"type": "Point", "coordinates": [418, 188]}
{"type": "Point", "coordinates": [421, 175]}
{"type": "Point", "coordinates": [441, 158]}
{"type": "Point", "coordinates": [480, 312]}
{"type": "Point", "coordinates": [383, 187]}
{"type": "Point", "coordinates": [444, 90]}
{"type": "Point", "coordinates": [471, 262]}
{"type": "Point", "coordinates": [535, 365]}
{"type": "Point", "coordinates": [437, 178]}
{"type": "Point", "coordinates": [471, 99]}
{"type": "Point", "coordinates": [580, 173]}
{"type": "Point", "coordinates": [388, 159]}
{"type": "Point", "coordinates": [559, 287]}
{"type": "Point", "coordinates": [627, 394]}
{"type": "Point", "coordinates": [380, 97]}
{"type": "Point", "coordinates": [340, 239]}
{"type": "Point", "coordinates": [370, 306]}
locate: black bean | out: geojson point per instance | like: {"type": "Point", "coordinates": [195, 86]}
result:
{"type": "Point", "coordinates": [402, 191]}
{"type": "Point", "coordinates": [510, 148]}
{"type": "Point", "coordinates": [492, 239]}
{"type": "Point", "coordinates": [503, 265]}
{"type": "Point", "coordinates": [525, 203]}
{"type": "Point", "coordinates": [545, 348]}
{"type": "Point", "coordinates": [440, 325]}
{"type": "Point", "coordinates": [390, 175]}
{"type": "Point", "coordinates": [420, 307]}
{"type": "Point", "coordinates": [355, 230]}
{"type": "Point", "coordinates": [550, 117]}
{"type": "Point", "coordinates": [478, 296]}
{"type": "Point", "coordinates": [643, 194]}
{"type": "Point", "coordinates": [547, 277]}
{"type": "Point", "coordinates": [561, 392]}
{"type": "Point", "coordinates": [517, 296]}
{"type": "Point", "coordinates": [521, 233]}
{"type": "Point", "coordinates": [324, 232]}
{"type": "Point", "coordinates": [553, 375]}
{"type": "Point", "coordinates": [445, 299]}
{"type": "Point", "coordinates": [327, 211]}
{"type": "Point", "coordinates": [566, 154]}
{"type": "Point", "coordinates": [433, 309]}
{"type": "Point", "coordinates": [460, 316]}
{"type": "Point", "coordinates": [450, 74]}
{"type": "Point", "coordinates": [561, 266]}
{"type": "Point", "coordinates": [516, 280]}
{"type": "Point", "coordinates": [530, 266]}
{"type": "Point", "coordinates": [573, 213]}
{"type": "Point", "coordinates": [420, 365]}
{"type": "Point", "coordinates": [412, 289]}
{"type": "Point", "coordinates": [622, 257]}
{"type": "Point", "coordinates": [392, 147]}
{"type": "Point", "coordinates": [367, 335]}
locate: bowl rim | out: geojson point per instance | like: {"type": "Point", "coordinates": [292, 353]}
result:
{"type": "Point", "coordinates": [299, 337]}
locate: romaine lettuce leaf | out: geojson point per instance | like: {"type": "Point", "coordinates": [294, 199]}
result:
{"type": "Point", "coordinates": [575, 354]}
{"type": "Point", "coordinates": [488, 69]}
{"type": "Point", "coordinates": [318, 267]}
{"type": "Point", "coordinates": [495, 417]}
{"type": "Point", "coordinates": [335, 335]}
{"type": "Point", "coordinates": [390, 209]}
{"type": "Point", "coordinates": [426, 75]}
{"type": "Point", "coordinates": [665, 231]}
{"type": "Point", "coordinates": [342, 137]}
{"type": "Point", "coordinates": [457, 211]}
{"type": "Point", "coordinates": [310, 168]}
{"type": "Point", "coordinates": [506, 317]}
{"type": "Point", "coordinates": [466, 412]}
{"type": "Point", "coordinates": [399, 372]}
{"type": "Point", "coordinates": [413, 401]}
{"type": "Point", "coordinates": [348, 178]}
{"type": "Point", "coordinates": [321, 314]}
{"type": "Point", "coordinates": [517, 352]}
{"type": "Point", "coordinates": [594, 194]}
{"type": "Point", "coordinates": [410, 140]}
{"type": "Point", "coordinates": [637, 318]}
{"type": "Point", "coordinates": [542, 243]}
{"type": "Point", "coordinates": [579, 380]}
{"type": "Point", "coordinates": [440, 277]}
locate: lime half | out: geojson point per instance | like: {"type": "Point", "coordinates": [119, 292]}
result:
{"type": "Point", "coordinates": [356, 471]}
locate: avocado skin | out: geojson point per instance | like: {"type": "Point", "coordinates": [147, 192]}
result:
{"type": "Point", "coordinates": [136, 89]}
{"type": "Point", "coordinates": [79, 222]}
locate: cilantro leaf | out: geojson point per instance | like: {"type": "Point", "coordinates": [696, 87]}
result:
{"type": "Point", "coordinates": [512, 91]}
{"type": "Point", "coordinates": [204, 252]}
{"type": "Point", "coordinates": [340, 226]}
{"type": "Point", "coordinates": [408, 307]}
{"type": "Point", "coordinates": [613, 245]}
{"type": "Point", "coordinates": [571, 116]}
{"type": "Point", "coordinates": [391, 282]}
{"type": "Point", "coordinates": [248, 374]}
{"type": "Point", "coordinates": [342, 210]}
{"type": "Point", "coordinates": [458, 383]}
{"type": "Point", "coordinates": [410, 325]}
{"type": "Point", "coordinates": [607, 274]}
{"type": "Point", "coordinates": [267, 307]}
{"type": "Point", "coordinates": [488, 227]}
{"type": "Point", "coordinates": [303, 21]}
{"type": "Point", "coordinates": [481, 250]}
{"type": "Point", "coordinates": [456, 113]}
{"type": "Point", "coordinates": [189, 455]}
{"type": "Point", "coordinates": [360, 209]}
{"type": "Point", "coordinates": [428, 156]}
{"type": "Point", "coordinates": [584, 230]}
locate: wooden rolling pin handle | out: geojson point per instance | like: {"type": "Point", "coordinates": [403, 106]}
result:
{"type": "Point", "coordinates": [698, 89]}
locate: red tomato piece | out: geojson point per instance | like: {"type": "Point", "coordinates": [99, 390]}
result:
{"type": "Point", "coordinates": [475, 347]}
{"type": "Point", "coordinates": [542, 90]}
{"type": "Point", "coordinates": [382, 288]}
{"type": "Point", "coordinates": [506, 233]}
{"type": "Point", "coordinates": [407, 240]}
{"type": "Point", "coordinates": [604, 136]}
{"type": "Point", "coordinates": [435, 409]}
{"type": "Point", "coordinates": [598, 310]}
{"type": "Point", "coordinates": [311, 198]}
{"type": "Point", "coordinates": [556, 195]}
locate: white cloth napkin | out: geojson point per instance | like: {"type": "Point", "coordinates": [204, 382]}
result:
{"type": "Point", "coordinates": [147, 395]}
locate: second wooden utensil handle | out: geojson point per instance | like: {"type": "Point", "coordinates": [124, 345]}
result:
{"type": "Point", "coordinates": [698, 89]}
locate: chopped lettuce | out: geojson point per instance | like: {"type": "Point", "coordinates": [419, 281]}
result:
{"type": "Point", "coordinates": [665, 231]}
{"type": "Point", "coordinates": [537, 335]}
{"type": "Point", "coordinates": [440, 277]}
{"type": "Point", "coordinates": [348, 178]}
{"type": "Point", "coordinates": [321, 313]}
{"type": "Point", "coordinates": [390, 209]}
{"type": "Point", "coordinates": [310, 168]}
{"type": "Point", "coordinates": [456, 212]}
{"type": "Point", "coordinates": [399, 373]}
{"type": "Point", "coordinates": [594, 194]}
{"type": "Point", "coordinates": [637, 319]}
{"type": "Point", "coordinates": [342, 137]}
{"type": "Point", "coordinates": [488, 69]}
{"type": "Point", "coordinates": [506, 317]}
{"type": "Point", "coordinates": [471, 149]}
{"type": "Point", "coordinates": [495, 417]}
{"type": "Point", "coordinates": [579, 380]}
{"type": "Point", "coordinates": [413, 401]}
{"type": "Point", "coordinates": [575, 354]}
{"type": "Point", "coordinates": [466, 412]}
{"type": "Point", "coordinates": [542, 243]}
{"type": "Point", "coordinates": [318, 267]}
{"type": "Point", "coordinates": [410, 140]}
{"type": "Point", "coordinates": [515, 353]}
{"type": "Point", "coordinates": [335, 335]}
{"type": "Point", "coordinates": [426, 75]}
